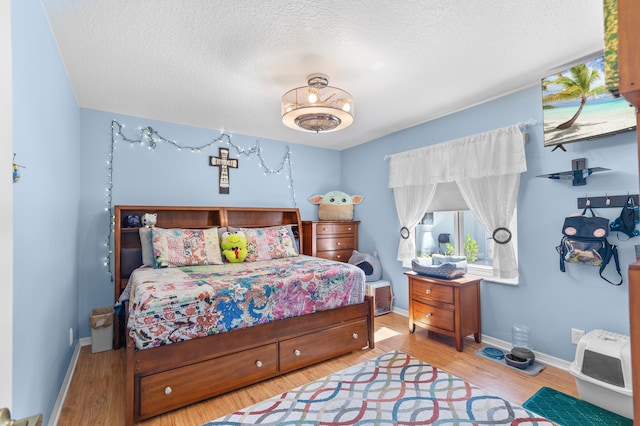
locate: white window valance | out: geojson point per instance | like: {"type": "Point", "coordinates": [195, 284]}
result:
{"type": "Point", "coordinates": [486, 169]}
{"type": "Point", "coordinates": [493, 153]}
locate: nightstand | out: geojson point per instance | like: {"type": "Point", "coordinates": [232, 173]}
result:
{"type": "Point", "coordinates": [330, 239]}
{"type": "Point", "coordinates": [449, 307]}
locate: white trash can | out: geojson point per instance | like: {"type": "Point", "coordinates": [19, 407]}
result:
{"type": "Point", "coordinates": [101, 320]}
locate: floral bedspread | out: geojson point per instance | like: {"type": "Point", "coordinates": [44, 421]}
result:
{"type": "Point", "coordinates": [175, 304]}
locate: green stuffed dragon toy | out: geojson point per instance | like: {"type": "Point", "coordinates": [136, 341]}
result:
{"type": "Point", "coordinates": [234, 246]}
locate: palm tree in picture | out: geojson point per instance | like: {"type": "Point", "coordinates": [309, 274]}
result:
{"type": "Point", "coordinates": [576, 84]}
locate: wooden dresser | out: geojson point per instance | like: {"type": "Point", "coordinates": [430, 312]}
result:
{"type": "Point", "coordinates": [330, 239]}
{"type": "Point", "coordinates": [450, 307]}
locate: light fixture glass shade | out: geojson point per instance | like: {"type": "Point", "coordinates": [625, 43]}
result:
{"type": "Point", "coordinates": [317, 107]}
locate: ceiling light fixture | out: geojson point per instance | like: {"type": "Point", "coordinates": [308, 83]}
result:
{"type": "Point", "coordinates": [317, 107]}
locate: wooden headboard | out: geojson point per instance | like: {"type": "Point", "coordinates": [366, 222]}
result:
{"type": "Point", "coordinates": [127, 248]}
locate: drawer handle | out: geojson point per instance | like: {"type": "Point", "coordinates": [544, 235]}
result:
{"type": "Point", "coordinates": [349, 228]}
{"type": "Point", "coordinates": [324, 229]}
{"type": "Point", "coordinates": [355, 336]}
{"type": "Point", "coordinates": [428, 291]}
{"type": "Point", "coordinates": [258, 363]}
{"type": "Point", "coordinates": [337, 256]}
{"type": "Point", "coordinates": [338, 243]}
{"type": "Point", "coordinates": [168, 390]}
{"type": "Point", "coordinates": [429, 315]}
{"type": "Point", "coordinates": [297, 352]}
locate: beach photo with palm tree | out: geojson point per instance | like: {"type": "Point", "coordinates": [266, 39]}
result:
{"type": "Point", "coordinates": [578, 106]}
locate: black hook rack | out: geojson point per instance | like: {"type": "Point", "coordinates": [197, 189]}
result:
{"type": "Point", "coordinates": [606, 201]}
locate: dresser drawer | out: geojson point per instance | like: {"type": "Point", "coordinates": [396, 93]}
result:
{"type": "Point", "coordinates": [337, 255]}
{"type": "Point", "coordinates": [430, 291]}
{"type": "Point", "coordinates": [434, 316]}
{"type": "Point", "coordinates": [335, 243]}
{"type": "Point", "coordinates": [334, 228]}
{"type": "Point", "coordinates": [172, 389]}
{"type": "Point", "coordinates": [306, 350]}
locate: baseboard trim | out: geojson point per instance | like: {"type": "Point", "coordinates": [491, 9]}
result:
{"type": "Point", "coordinates": [57, 408]}
{"type": "Point", "coordinates": [400, 312]}
{"type": "Point", "coordinates": [506, 346]}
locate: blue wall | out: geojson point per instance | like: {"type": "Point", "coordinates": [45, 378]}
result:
{"type": "Point", "coordinates": [548, 301]}
{"type": "Point", "coordinates": [46, 128]}
{"type": "Point", "coordinates": [168, 176]}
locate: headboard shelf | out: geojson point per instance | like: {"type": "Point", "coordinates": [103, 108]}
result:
{"type": "Point", "coordinates": [253, 218]}
{"type": "Point", "coordinates": [127, 247]}
{"type": "Point", "coordinates": [175, 217]}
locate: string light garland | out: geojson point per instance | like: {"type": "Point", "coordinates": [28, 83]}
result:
{"type": "Point", "coordinates": [150, 137]}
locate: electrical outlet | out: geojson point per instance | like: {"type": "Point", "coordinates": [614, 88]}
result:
{"type": "Point", "coordinates": [71, 337]}
{"type": "Point", "coordinates": [576, 335]}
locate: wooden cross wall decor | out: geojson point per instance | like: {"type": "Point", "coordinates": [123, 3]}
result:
{"type": "Point", "coordinates": [224, 162]}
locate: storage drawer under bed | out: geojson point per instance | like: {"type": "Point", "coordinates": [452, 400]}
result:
{"type": "Point", "coordinates": [305, 350]}
{"type": "Point", "coordinates": [168, 390]}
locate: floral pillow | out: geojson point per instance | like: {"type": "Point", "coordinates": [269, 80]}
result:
{"type": "Point", "coordinates": [185, 247]}
{"type": "Point", "coordinates": [268, 243]}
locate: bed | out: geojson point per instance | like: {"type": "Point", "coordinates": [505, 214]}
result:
{"type": "Point", "coordinates": [276, 312]}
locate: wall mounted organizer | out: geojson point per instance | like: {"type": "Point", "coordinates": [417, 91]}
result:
{"type": "Point", "coordinates": [606, 201]}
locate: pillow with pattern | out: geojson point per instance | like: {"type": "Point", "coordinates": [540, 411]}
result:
{"type": "Point", "coordinates": [185, 247]}
{"type": "Point", "coordinates": [269, 243]}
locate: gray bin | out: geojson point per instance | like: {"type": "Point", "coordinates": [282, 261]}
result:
{"type": "Point", "coordinates": [101, 320]}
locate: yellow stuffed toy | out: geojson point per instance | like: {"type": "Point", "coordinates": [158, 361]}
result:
{"type": "Point", "coordinates": [234, 246]}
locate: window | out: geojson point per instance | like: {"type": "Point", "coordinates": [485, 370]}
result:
{"type": "Point", "coordinates": [459, 233]}
{"type": "Point", "coordinates": [486, 167]}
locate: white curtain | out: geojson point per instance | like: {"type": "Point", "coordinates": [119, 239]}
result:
{"type": "Point", "coordinates": [411, 204]}
{"type": "Point", "coordinates": [486, 167]}
{"type": "Point", "coordinates": [492, 200]}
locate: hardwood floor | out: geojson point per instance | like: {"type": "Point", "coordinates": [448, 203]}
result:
{"type": "Point", "coordinates": [96, 393]}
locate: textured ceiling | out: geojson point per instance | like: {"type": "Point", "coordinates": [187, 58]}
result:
{"type": "Point", "coordinates": [225, 64]}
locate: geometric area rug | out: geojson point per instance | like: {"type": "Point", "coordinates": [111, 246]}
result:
{"type": "Point", "coordinates": [391, 389]}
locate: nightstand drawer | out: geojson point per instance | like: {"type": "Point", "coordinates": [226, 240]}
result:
{"type": "Point", "coordinates": [434, 316]}
{"type": "Point", "coordinates": [430, 291]}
